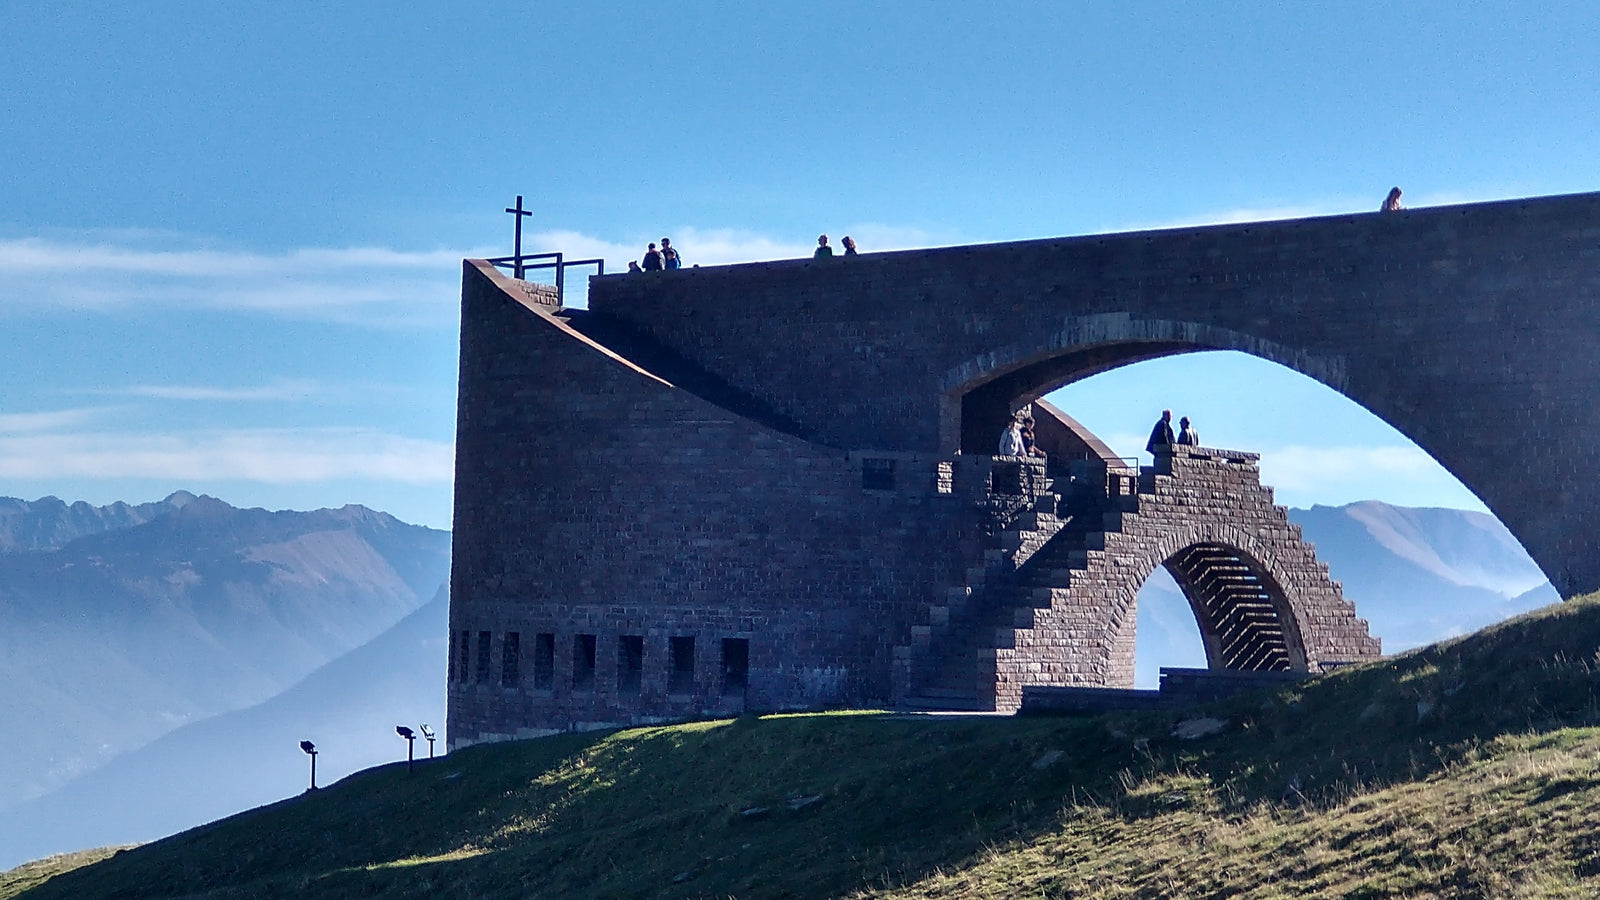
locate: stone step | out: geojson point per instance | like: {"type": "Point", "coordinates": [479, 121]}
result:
{"type": "Point", "coordinates": [1048, 578]}
{"type": "Point", "coordinates": [946, 704]}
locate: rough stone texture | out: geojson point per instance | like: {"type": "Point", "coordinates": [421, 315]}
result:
{"type": "Point", "coordinates": [1471, 329]}
{"type": "Point", "coordinates": [594, 498]}
{"type": "Point", "coordinates": [614, 493]}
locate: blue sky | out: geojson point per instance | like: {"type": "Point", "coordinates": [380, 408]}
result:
{"type": "Point", "coordinates": [230, 234]}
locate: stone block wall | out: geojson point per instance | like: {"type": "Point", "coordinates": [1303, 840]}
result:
{"type": "Point", "coordinates": [593, 498]}
{"type": "Point", "coordinates": [630, 549]}
{"type": "Point", "coordinates": [1194, 496]}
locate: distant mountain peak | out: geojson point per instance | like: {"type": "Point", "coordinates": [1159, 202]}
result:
{"type": "Point", "coordinates": [50, 523]}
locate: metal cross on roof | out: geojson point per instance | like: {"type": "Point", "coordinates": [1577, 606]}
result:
{"type": "Point", "coordinates": [516, 247]}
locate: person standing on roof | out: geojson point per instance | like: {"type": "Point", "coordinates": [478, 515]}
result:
{"type": "Point", "coordinates": [823, 250]}
{"type": "Point", "coordinates": [1161, 438]}
{"type": "Point", "coordinates": [849, 245]}
{"type": "Point", "coordinates": [1187, 435]}
{"type": "Point", "coordinates": [669, 256]}
{"type": "Point", "coordinates": [1391, 203]}
{"type": "Point", "coordinates": [652, 259]}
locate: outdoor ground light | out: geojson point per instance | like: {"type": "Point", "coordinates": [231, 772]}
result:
{"type": "Point", "coordinates": [311, 751]}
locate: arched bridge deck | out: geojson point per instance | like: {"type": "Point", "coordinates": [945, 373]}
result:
{"type": "Point", "coordinates": [1468, 328]}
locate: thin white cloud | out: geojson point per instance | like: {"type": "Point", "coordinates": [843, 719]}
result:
{"type": "Point", "coordinates": [367, 285]}
{"type": "Point", "coordinates": [273, 456]}
{"type": "Point", "coordinates": [100, 259]}
{"type": "Point", "coordinates": [1244, 214]}
{"type": "Point", "coordinates": [52, 420]}
{"type": "Point", "coordinates": [362, 285]}
{"type": "Point", "coordinates": [277, 390]}
{"type": "Point", "coordinates": [724, 246]}
{"type": "Point", "coordinates": [1334, 206]}
{"type": "Point", "coordinates": [1304, 468]}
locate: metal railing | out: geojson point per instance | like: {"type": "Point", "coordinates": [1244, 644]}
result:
{"type": "Point", "coordinates": [1123, 484]}
{"type": "Point", "coordinates": [519, 267]}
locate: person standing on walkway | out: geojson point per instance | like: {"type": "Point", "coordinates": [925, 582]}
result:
{"type": "Point", "coordinates": [1011, 441]}
{"type": "Point", "coordinates": [669, 256]}
{"type": "Point", "coordinates": [849, 245]}
{"type": "Point", "coordinates": [652, 259]}
{"type": "Point", "coordinates": [823, 250]}
{"type": "Point", "coordinates": [1391, 203]}
{"type": "Point", "coordinates": [1030, 447]}
{"type": "Point", "coordinates": [1187, 435]}
{"type": "Point", "coordinates": [1161, 438]}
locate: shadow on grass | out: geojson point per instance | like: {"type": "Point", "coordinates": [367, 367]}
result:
{"type": "Point", "coordinates": [831, 804]}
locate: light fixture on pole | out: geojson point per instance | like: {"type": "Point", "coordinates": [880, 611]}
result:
{"type": "Point", "coordinates": [411, 738]}
{"type": "Point", "coordinates": [311, 751]}
{"type": "Point", "coordinates": [428, 733]}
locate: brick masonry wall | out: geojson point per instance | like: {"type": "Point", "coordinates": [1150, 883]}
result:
{"type": "Point", "coordinates": [1469, 328]}
{"type": "Point", "coordinates": [595, 499]}
{"type": "Point", "coordinates": [1204, 496]}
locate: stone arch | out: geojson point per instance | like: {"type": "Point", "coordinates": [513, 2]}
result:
{"type": "Point", "coordinates": [980, 393]}
{"type": "Point", "coordinates": [1293, 602]}
{"type": "Point", "coordinates": [1246, 621]}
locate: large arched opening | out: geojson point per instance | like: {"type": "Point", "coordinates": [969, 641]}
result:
{"type": "Point", "coordinates": [1416, 550]}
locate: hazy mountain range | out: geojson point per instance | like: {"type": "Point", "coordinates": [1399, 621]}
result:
{"type": "Point", "coordinates": [164, 660]}
{"type": "Point", "coordinates": [239, 760]}
{"type": "Point", "coordinates": [119, 624]}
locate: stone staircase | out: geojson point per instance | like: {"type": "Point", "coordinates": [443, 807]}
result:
{"type": "Point", "coordinates": [951, 656]}
{"type": "Point", "coordinates": [1236, 600]}
{"type": "Point", "coordinates": [1054, 602]}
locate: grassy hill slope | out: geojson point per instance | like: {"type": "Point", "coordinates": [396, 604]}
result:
{"type": "Point", "coordinates": [1462, 770]}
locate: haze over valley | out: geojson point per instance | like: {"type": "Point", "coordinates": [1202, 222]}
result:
{"type": "Point", "coordinates": [167, 657]}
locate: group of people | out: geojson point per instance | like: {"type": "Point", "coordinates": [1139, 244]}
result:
{"type": "Point", "coordinates": [667, 257]}
{"type": "Point", "coordinates": [658, 260]}
{"type": "Point", "coordinates": [1161, 435]}
{"type": "Point", "coordinates": [826, 252]}
{"type": "Point", "coordinates": [1017, 440]}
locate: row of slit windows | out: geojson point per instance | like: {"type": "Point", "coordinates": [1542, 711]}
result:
{"type": "Point", "coordinates": [734, 668]}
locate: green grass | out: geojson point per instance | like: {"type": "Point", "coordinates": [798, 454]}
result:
{"type": "Point", "coordinates": [1469, 769]}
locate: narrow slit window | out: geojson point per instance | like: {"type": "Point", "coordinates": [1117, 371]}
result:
{"type": "Point", "coordinates": [735, 665]}
{"type": "Point", "coordinates": [484, 639]}
{"type": "Point", "coordinates": [510, 657]}
{"type": "Point", "coordinates": [682, 680]}
{"type": "Point", "coordinates": [583, 661]}
{"type": "Point", "coordinates": [463, 654]}
{"type": "Point", "coordinates": [630, 663]}
{"type": "Point", "coordinates": [544, 661]}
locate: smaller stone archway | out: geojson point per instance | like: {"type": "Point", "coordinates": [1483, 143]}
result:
{"type": "Point", "coordinates": [1246, 622]}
